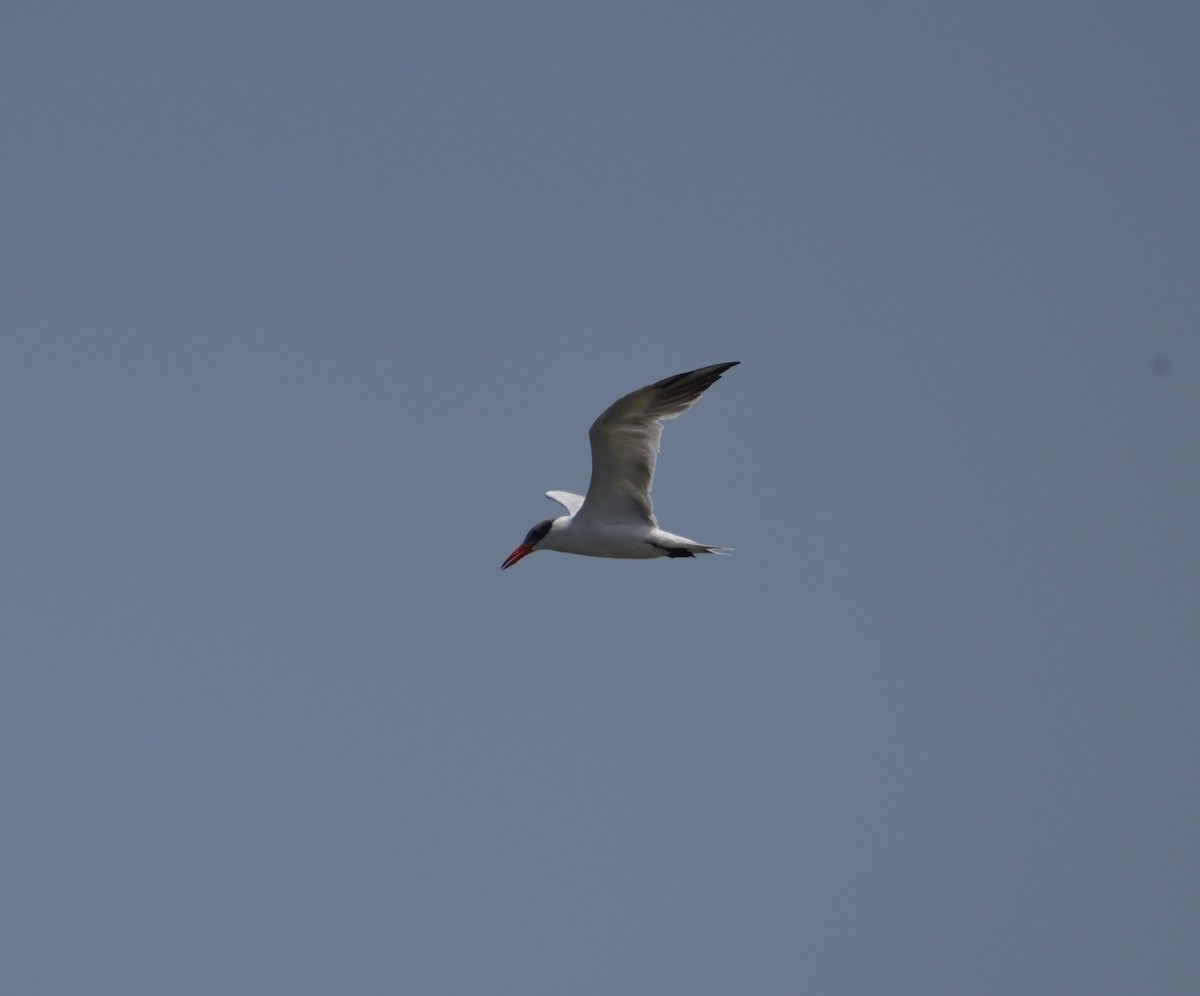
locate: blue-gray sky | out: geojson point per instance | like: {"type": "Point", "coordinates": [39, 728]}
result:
{"type": "Point", "coordinates": [306, 305]}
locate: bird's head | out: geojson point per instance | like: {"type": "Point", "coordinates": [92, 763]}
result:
{"type": "Point", "coordinates": [529, 544]}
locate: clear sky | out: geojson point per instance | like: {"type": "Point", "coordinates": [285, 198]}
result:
{"type": "Point", "coordinates": [306, 305]}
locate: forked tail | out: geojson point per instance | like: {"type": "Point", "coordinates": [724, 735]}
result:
{"type": "Point", "coordinates": [689, 549]}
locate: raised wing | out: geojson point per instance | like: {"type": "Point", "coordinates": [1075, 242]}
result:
{"type": "Point", "coordinates": [625, 440]}
{"type": "Point", "coordinates": [570, 502]}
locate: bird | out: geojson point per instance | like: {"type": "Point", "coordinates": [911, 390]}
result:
{"type": "Point", "coordinates": [615, 517]}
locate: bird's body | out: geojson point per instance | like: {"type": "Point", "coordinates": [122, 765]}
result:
{"type": "Point", "coordinates": [615, 518]}
{"type": "Point", "coordinates": [630, 540]}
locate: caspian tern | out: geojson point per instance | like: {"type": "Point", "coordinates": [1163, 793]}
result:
{"type": "Point", "coordinates": [615, 518]}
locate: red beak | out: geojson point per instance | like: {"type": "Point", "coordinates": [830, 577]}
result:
{"type": "Point", "coordinates": [517, 554]}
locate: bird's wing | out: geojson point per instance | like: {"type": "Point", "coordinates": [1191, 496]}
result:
{"type": "Point", "coordinates": [567, 500]}
{"type": "Point", "coordinates": [625, 442]}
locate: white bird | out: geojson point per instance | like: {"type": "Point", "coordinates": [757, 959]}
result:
{"type": "Point", "coordinates": [615, 519]}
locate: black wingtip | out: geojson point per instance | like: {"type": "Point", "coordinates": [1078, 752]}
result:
{"type": "Point", "coordinates": [704, 375]}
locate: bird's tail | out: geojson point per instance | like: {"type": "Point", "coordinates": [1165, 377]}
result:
{"type": "Point", "coordinates": [705, 548]}
{"type": "Point", "coordinates": [681, 546]}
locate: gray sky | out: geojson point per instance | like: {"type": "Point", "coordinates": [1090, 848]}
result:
{"type": "Point", "coordinates": [306, 305]}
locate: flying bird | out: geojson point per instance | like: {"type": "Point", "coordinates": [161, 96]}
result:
{"type": "Point", "coordinates": [615, 518]}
